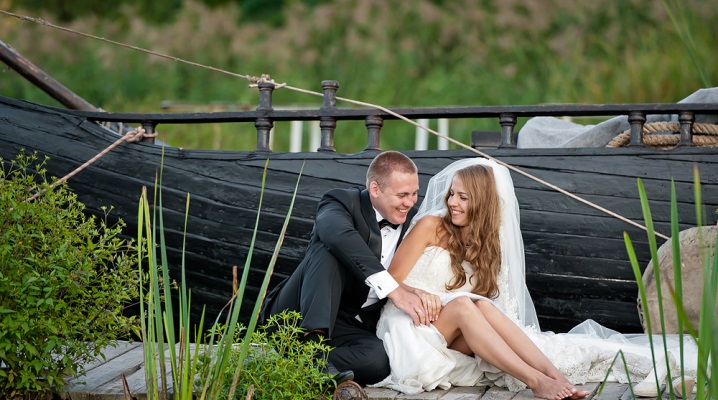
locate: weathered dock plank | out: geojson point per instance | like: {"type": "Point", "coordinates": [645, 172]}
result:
{"type": "Point", "coordinates": [465, 393]}
{"type": "Point", "coordinates": [611, 392]}
{"type": "Point", "coordinates": [112, 352]}
{"type": "Point", "coordinates": [497, 393]}
{"type": "Point", "coordinates": [85, 387]}
{"type": "Point", "coordinates": [103, 382]}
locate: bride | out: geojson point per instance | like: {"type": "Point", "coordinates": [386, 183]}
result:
{"type": "Point", "coordinates": [467, 265]}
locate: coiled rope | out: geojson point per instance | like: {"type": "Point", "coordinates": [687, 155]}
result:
{"type": "Point", "coordinates": [655, 136]}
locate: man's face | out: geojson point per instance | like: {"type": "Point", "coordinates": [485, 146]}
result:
{"type": "Point", "coordinates": [396, 198]}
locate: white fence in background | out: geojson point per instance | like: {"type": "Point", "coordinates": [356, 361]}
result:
{"type": "Point", "coordinates": [421, 141]}
{"type": "Point", "coordinates": [296, 134]}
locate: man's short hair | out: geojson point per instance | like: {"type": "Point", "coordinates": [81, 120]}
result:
{"type": "Point", "coordinates": [387, 162]}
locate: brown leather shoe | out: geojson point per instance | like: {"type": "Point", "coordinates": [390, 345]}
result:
{"type": "Point", "coordinates": [349, 390]}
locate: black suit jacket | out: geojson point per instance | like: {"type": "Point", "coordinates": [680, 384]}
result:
{"type": "Point", "coordinates": [346, 232]}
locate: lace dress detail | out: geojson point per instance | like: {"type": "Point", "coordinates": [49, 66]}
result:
{"type": "Point", "coordinates": [430, 274]}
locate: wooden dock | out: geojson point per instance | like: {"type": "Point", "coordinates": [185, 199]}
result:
{"type": "Point", "coordinates": [103, 382]}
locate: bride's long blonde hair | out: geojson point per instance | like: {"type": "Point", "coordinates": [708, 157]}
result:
{"type": "Point", "coordinates": [482, 248]}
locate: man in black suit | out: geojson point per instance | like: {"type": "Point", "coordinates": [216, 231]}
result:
{"type": "Point", "coordinates": [342, 282]}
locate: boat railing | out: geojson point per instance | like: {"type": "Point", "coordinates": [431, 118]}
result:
{"type": "Point", "coordinates": [329, 115]}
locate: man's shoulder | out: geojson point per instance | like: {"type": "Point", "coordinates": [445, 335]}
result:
{"type": "Point", "coordinates": [347, 198]}
{"type": "Point", "coordinates": [343, 193]}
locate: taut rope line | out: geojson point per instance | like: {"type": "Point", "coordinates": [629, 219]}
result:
{"type": "Point", "coordinates": [131, 136]}
{"type": "Point", "coordinates": [265, 78]}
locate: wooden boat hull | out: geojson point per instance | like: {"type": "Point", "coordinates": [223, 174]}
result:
{"type": "Point", "coordinates": [577, 264]}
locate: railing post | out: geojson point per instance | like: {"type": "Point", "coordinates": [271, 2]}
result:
{"type": "Point", "coordinates": [442, 143]}
{"type": "Point", "coordinates": [686, 118]}
{"type": "Point", "coordinates": [263, 124]}
{"type": "Point", "coordinates": [149, 127]}
{"type": "Point", "coordinates": [636, 119]}
{"type": "Point", "coordinates": [421, 135]}
{"type": "Point", "coordinates": [508, 136]}
{"type": "Point", "coordinates": [373, 128]}
{"type": "Point", "coordinates": [328, 124]}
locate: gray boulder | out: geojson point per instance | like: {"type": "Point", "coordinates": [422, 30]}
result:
{"type": "Point", "coordinates": [691, 275]}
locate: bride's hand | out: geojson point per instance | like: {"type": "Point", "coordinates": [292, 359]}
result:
{"type": "Point", "coordinates": [432, 304]}
{"type": "Point", "coordinates": [411, 304]}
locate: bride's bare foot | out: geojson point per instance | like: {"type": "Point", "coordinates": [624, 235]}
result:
{"type": "Point", "coordinates": [576, 393]}
{"type": "Point", "coordinates": [551, 389]}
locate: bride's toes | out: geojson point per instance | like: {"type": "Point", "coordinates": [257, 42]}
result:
{"type": "Point", "coordinates": [572, 393]}
{"type": "Point", "coordinates": [579, 394]}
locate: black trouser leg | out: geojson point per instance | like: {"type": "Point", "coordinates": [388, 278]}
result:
{"type": "Point", "coordinates": [314, 290]}
{"type": "Point", "coordinates": [358, 349]}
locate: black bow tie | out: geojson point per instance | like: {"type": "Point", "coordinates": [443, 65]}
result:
{"type": "Point", "coordinates": [384, 223]}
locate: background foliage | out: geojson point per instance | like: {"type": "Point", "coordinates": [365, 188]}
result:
{"type": "Point", "coordinates": [388, 52]}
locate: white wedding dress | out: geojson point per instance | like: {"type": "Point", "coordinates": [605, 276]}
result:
{"type": "Point", "coordinates": [419, 357]}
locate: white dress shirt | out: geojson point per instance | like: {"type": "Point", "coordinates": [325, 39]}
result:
{"type": "Point", "coordinates": [382, 283]}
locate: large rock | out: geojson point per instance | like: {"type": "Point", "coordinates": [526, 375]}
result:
{"type": "Point", "coordinates": [692, 277]}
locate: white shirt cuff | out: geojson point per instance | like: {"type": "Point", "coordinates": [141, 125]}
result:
{"type": "Point", "coordinates": [382, 283]}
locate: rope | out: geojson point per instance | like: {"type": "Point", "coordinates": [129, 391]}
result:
{"type": "Point", "coordinates": [265, 78]}
{"type": "Point", "coordinates": [132, 136]}
{"type": "Point", "coordinates": [653, 136]}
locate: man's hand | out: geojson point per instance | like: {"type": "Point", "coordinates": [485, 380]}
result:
{"type": "Point", "coordinates": [410, 304]}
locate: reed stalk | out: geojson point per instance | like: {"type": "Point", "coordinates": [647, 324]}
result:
{"type": "Point", "coordinates": [187, 361]}
{"type": "Point", "coordinates": [706, 336]}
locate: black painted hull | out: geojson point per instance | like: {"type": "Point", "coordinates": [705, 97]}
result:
{"type": "Point", "coordinates": [577, 265]}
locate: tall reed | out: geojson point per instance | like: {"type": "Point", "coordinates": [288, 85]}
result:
{"type": "Point", "coordinates": [706, 335]}
{"type": "Point", "coordinates": [159, 337]}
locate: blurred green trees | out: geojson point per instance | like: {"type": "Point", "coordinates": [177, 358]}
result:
{"type": "Point", "coordinates": [387, 52]}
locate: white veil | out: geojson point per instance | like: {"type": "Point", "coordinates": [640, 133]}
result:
{"type": "Point", "coordinates": [514, 297]}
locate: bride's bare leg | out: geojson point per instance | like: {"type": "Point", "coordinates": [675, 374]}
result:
{"type": "Point", "coordinates": [523, 346]}
{"type": "Point", "coordinates": [461, 318]}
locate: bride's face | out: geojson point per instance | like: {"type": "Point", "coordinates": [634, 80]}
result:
{"type": "Point", "coordinates": [458, 202]}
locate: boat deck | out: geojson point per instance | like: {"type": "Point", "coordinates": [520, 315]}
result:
{"type": "Point", "coordinates": [103, 382]}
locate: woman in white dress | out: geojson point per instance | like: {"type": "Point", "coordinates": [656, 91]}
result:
{"type": "Point", "coordinates": [467, 265]}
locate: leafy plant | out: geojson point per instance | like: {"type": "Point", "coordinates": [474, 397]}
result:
{"type": "Point", "coordinates": [279, 365]}
{"type": "Point", "coordinates": [706, 335]}
{"type": "Point", "coordinates": [189, 381]}
{"type": "Point", "coordinates": [64, 282]}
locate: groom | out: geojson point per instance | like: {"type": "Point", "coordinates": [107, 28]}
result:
{"type": "Point", "coordinates": [342, 282]}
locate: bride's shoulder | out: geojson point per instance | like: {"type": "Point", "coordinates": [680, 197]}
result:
{"type": "Point", "coordinates": [428, 222]}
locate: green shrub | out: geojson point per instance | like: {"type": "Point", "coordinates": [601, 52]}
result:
{"type": "Point", "coordinates": [279, 365]}
{"type": "Point", "coordinates": [64, 282]}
